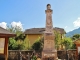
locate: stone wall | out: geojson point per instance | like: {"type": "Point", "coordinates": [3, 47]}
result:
{"type": "Point", "coordinates": [15, 54]}
{"type": "Point", "coordinates": [72, 54]}
{"type": "Point", "coordinates": [69, 54]}
{"type": "Point", "coordinates": [62, 54]}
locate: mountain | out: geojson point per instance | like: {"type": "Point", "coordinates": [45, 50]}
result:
{"type": "Point", "coordinates": [71, 33]}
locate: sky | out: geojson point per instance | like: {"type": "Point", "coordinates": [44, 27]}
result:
{"type": "Point", "coordinates": [31, 13]}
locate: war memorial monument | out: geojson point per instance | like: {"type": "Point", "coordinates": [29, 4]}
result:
{"type": "Point", "coordinates": [49, 52]}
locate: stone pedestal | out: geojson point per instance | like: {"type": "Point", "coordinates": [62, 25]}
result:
{"type": "Point", "coordinates": [49, 55]}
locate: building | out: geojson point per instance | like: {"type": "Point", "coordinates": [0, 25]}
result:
{"type": "Point", "coordinates": [34, 33]}
{"type": "Point", "coordinates": [4, 37]}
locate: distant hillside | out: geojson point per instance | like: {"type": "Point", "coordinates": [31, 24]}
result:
{"type": "Point", "coordinates": [71, 33]}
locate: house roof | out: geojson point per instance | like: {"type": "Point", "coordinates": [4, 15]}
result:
{"type": "Point", "coordinates": [41, 30]}
{"type": "Point", "coordinates": [4, 32]}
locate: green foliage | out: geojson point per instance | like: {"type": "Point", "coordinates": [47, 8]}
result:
{"type": "Point", "coordinates": [27, 43]}
{"type": "Point", "coordinates": [73, 46]}
{"type": "Point", "coordinates": [34, 58]}
{"type": "Point", "coordinates": [20, 37]}
{"type": "Point", "coordinates": [67, 43]}
{"type": "Point", "coordinates": [11, 43]}
{"type": "Point", "coordinates": [16, 43]}
{"type": "Point", "coordinates": [37, 46]}
{"type": "Point", "coordinates": [76, 36]}
{"type": "Point", "coordinates": [58, 40]}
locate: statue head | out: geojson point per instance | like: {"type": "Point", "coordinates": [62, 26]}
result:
{"type": "Point", "coordinates": [48, 6]}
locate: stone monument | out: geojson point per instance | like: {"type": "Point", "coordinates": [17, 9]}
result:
{"type": "Point", "coordinates": [49, 52]}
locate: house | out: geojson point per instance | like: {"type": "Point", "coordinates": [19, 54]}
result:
{"type": "Point", "coordinates": [35, 33]}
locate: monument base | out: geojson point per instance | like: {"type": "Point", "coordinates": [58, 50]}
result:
{"type": "Point", "coordinates": [49, 55]}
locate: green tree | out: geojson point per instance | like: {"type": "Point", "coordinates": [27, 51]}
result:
{"type": "Point", "coordinates": [12, 44]}
{"type": "Point", "coordinates": [76, 36]}
{"type": "Point", "coordinates": [20, 45]}
{"type": "Point", "coordinates": [16, 43]}
{"type": "Point", "coordinates": [73, 46]}
{"type": "Point", "coordinates": [58, 39]}
{"type": "Point", "coordinates": [37, 46]}
{"type": "Point", "coordinates": [67, 43]}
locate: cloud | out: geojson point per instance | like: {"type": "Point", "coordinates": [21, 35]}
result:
{"type": "Point", "coordinates": [3, 25]}
{"type": "Point", "coordinates": [17, 24]}
{"type": "Point", "coordinates": [77, 22]}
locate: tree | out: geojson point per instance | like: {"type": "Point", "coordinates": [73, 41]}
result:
{"type": "Point", "coordinates": [76, 36]}
{"type": "Point", "coordinates": [16, 43]}
{"type": "Point", "coordinates": [67, 43]}
{"type": "Point", "coordinates": [20, 37]}
{"type": "Point", "coordinates": [58, 39]}
{"type": "Point", "coordinates": [37, 46]}
{"type": "Point", "coordinates": [11, 44]}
